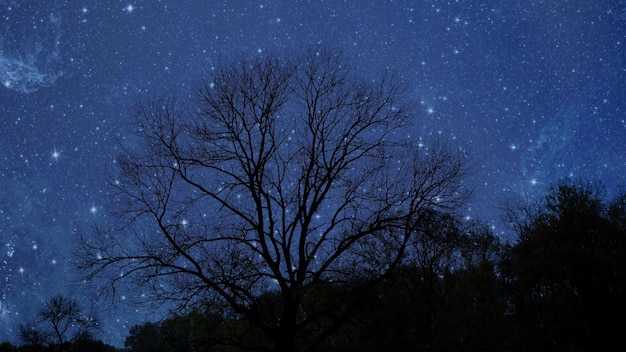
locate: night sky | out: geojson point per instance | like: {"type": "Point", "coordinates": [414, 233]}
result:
{"type": "Point", "coordinates": [534, 92]}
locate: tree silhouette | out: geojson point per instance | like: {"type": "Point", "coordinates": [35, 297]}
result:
{"type": "Point", "coordinates": [283, 175]}
{"type": "Point", "coordinates": [7, 347]}
{"type": "Point", "coordinates": [61, 321]}
{"type": "Point", "coordinates": [567, 269]}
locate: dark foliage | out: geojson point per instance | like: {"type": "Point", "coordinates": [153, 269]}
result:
{"type": "Point", "coordinates": [81, 345]}
{"type": "Point", "coordinates": [566, 273]}
{"type": "Point", "coordinates": [559, 288]}
{"type": "Point", "coordinates": [7, 347]}
{"type": "Point", "coordinates": [461, 307]}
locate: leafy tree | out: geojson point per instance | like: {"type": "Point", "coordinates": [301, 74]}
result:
{"type": "Point", "coordinates": [473, 306]}
{"type": "Point", "coordinates": [194, 331]}
{"type": "Point", "coordinates": [145, 337]}
{"type": "Point", "coordinates": [447, 296]}
{"type": "Point", "coordinates": [287, 174]}
{"type": "Point", "coordinates": [567, 269]}
{"type": "Point", "coordinates": [433, 250]}
{"type": "Point", "coordinates": [60, 322]}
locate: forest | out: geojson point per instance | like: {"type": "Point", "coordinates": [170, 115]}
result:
{"type": "Point", "coordinates": [283, 209]}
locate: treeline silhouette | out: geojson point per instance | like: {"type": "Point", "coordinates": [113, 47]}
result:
{"type": "Point", "coordinates": [559, 287]}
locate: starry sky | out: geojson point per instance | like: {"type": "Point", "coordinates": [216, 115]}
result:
{"type": "Point", "coordinates": [534, 91]}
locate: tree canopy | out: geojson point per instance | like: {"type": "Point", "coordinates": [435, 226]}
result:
{"type": "Point", "coordinates": [568, 266]}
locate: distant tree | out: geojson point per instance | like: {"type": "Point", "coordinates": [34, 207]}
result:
{"type": "Point", "coordinates": [7, 347]}
{"type": "Point", "coordinates": [287, 174]}
{"type": "Point", "coordinates": [61, 321]}
{"type": "Point", "coordinates": [33, 336]}
{"type": "Point", "coordinates": [472, 312]}
{"type": "Point", "coordinates": [89, 344]}
{"type": "Point", "coordinates": [145, 337]}
{"type": "Point", "coordinates": [434, 252]}
{"type": "Point", "coordinates": [447, 296]}
{"type": "Point", "coordinates": [567, 269]}
{"type": "Point", "coordinates": [194, 331]}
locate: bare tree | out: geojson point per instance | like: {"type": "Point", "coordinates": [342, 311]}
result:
{"type": "Point", "coordinates": [286, 175]}
{"type": "Point", "coordinates": [31, 335]}
{"type": "Point", "coordinates": [61, 321]}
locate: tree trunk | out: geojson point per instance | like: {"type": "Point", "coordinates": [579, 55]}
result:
{"type": "Point", "coordinates": [286, 339]}
{"type": "Point", "coordinates": [285, 344]}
